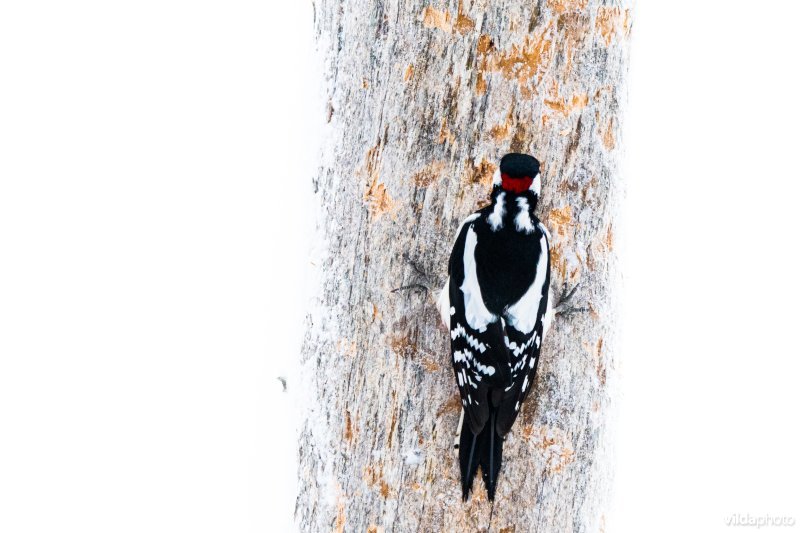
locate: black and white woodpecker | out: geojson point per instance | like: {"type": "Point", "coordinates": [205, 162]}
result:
{"type": "Point", "coordinates": [496, 307]}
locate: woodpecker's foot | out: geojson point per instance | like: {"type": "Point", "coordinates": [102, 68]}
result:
{"type": "Point", "coordinates": [418, 287]}
{"type": "Point", "coordinates": [417, 268]}
{"type": "Point", "coordinates": [564, 307]}
{"type": "Point", "coordinates": [420, 274]}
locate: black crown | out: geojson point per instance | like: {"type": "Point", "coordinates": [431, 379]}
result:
{"type": "Point", "coordinates": [519, 165]}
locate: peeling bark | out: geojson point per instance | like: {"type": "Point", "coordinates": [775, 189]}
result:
{"type": "Point", "coordinates": [423, 100]}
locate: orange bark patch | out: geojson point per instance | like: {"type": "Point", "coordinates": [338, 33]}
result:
{"type": "Point", "coordinates": [605, 89]}
{"type": "Point", "coordinates": [500, 132]}
{"type": "Point", "coordinates": [445, 135]}
{"type": "Point", "coordinates": [567, 107]}
{"type": "Point", "coordinates": [520, 142]}
{"type": "Point", "coordinates": [450, 406]}
{"type": "Point", "coordinates": [573, 26]}
{"type": "Point", "coordinates": [480, 84]}
{"type": "Point", "coordinates": [508, 529]}
{"type": "Point", "coordinates": [378, 199]}
{"type": "Point", "coordinates": [524, 63]}
{"type": "Point", "coordinates": [430, 365]}
{"type": "Point", "coordinates": [479, 174]}
{"type": "Point", "coordinates": [595, 351]}
{"type": "Point", "coordinates": [563, 6]}
{"type": "Point", "coordinates": [393, 422]}
{"type": "Point", "coordinates": [391, 428]}
{"type": "Point", "coordinates": [553, 445]}
{"type": "Point", "coordinates": [479, 493]}
{"type": "Point", "coordinates": [565, 263]}
{"type": "Point", "coordinates": [600, 366]}
{"type": "Point", "coordinates": [429, 174]}
{"type": "Point", "coordinates": [560, 219]}
{"type": "Point", "coordinates": [384, 489]}
{"type": "Point", "coordinates": [485, 44]}
{"type": "Point", "coordinates": [435, 18]}
{"type": "Point", "coordinates": [348, 427]}
{"type": "Point", "coordinates": [373, 477]}
{"type": "Point", "coordinates": [557, 261]}
{"type": "Point", "coordinates": [464, 24]}
{"type": "Point", "coordinates": [609, 139]}
{"type": "Point", "coordinates": [409, 73]}
{"type": "Point", "coordinates": [370, 475]}
{"type": "Point", "coordinates": [340, 518]}
{"type": "Point", "coordinates": [612, 22]}
{"type": "Point", "coordinates": [403, 344]}
{"type": "Point", "coordinates": [372, 161]}
{"type": "Point", "coordinates": [593, 312]}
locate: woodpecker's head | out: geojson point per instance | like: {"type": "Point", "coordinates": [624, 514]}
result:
{"type": "Point", "coordinates": [518, 174]}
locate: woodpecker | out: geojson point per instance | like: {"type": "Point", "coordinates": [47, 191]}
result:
{"type": "Point", "coordinates": [496, 306]}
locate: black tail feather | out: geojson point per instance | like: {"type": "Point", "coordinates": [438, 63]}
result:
{"type": "Point", "coordinates": [468, 453]}
{"type": "Point", "coordinates": [484, 449]}
{"type": "Point", "coordinates": [492, 457]}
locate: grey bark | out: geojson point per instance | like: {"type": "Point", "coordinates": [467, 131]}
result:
{"type": "Point", "coordinates": [423, 100]}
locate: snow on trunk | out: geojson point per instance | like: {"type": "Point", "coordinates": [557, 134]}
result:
{"type": "Point", "coordinates": [422, 101]}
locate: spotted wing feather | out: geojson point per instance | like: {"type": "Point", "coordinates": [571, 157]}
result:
{"type": "Point", "coordinates": [524, 348]}
{"type": "Point", "coordinates": [476, 354]}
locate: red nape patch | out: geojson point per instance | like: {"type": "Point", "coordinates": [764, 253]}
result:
{"type": "Point", "coordinates": [516, 185]}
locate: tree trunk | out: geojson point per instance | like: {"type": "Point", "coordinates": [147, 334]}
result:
{"type": "Point", "coordinates": [423, 100]}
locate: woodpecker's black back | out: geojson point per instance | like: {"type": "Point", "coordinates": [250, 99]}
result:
{"type": "Point", "coordinates": [498, 297]}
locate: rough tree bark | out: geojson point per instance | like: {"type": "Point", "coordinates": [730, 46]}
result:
{"type": "Point", "coordinates": [423, 100]}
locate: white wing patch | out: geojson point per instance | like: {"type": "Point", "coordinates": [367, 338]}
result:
{"type": "Point", "coordinates": [478, 316]}
{"type": "Point", "coordinates": [544, 230]}
{"type": "Point", "coordinates": [522, 315]}
{"type": "Point", "coordinates": [548, 316]}
{"type": "Point", "coordinates": [444, 303]}
{"type": "Point", "coordinates": [445, 310]}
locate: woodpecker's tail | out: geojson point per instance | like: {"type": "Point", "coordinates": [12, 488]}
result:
{"type": "Point", "coordinates": [484, 449]}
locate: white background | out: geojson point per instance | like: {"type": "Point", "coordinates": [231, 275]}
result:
{"type": "Point", "coordinates": [154, 159]}
{"type": "Point", "coordinates": [708, 421]}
